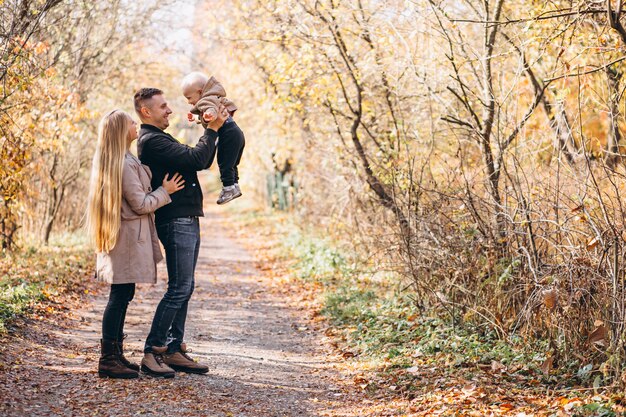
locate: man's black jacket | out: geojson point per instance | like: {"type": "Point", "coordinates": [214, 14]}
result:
{"type": "Point", "coordinates": [164, 154]}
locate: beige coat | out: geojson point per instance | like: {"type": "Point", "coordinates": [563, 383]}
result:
{"type": "Point", "coordinates": [137, 250]}
{"type": "Point", "coordinates": [213, 94]}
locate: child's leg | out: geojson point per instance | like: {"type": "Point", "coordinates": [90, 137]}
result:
{"type": "Point", "coordinates": [229, 150]}
{"type": "Point", "coordinates": [235, 169]}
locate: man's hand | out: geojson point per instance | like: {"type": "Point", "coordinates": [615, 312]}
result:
{"type": "Point", "coordinates": [222, 115]}
{"type": "Point", "coordinates": [209, 115]}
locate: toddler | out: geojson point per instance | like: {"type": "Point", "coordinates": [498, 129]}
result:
{"type": "Point", "coordinates": [206, 94]}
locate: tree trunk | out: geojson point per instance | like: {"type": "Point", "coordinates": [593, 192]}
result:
{"type": "Point", "coordinates": [489, 110]}
{"type": "Point", "coordinates": [57, 195]}
{"type": "Point", "coordinates": [563, 138]}
{"type": "Point", "coordinates": [47, 230]}
{"type": "Point", "coordinates": [614, 135]}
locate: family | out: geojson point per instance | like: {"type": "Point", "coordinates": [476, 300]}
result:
{"type": "Point", "coordinates": [136, 202]}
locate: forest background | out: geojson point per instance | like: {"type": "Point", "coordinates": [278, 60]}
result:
{"type": "Point", "coordinates": [464, 156]}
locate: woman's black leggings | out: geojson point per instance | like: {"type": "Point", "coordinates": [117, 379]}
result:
{"type": "Point", "coordinates": [115, 311]}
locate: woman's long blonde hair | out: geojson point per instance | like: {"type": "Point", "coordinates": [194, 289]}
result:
{"type": "Point", "coordinates": [105, 191]}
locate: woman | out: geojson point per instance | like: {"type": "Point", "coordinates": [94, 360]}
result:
{"type": "Point", "coordinates": [120, 222]}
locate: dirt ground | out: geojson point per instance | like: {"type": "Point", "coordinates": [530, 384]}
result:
{"type": "Point", "coordinates": [266, 357]}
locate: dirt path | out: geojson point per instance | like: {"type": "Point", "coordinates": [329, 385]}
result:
{"type": "Point", "coordinates": [264, 359]}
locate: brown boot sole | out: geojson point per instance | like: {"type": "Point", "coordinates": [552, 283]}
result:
{"type": "Point", "coordinates": [188, 370]}
{"type": "Point", "coordinates": [149, 371]}
{"type": "Point", "coordinates": [104, 374]}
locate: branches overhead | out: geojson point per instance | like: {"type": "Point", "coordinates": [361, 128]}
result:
{"type": "Point", "coordinates": [547, 15]}
{"type": "Point", "coordinates": [54, 55]}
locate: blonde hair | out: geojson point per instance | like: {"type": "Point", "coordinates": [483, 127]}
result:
{"type": "Point", "coordinates": [195, 80]}
{"type": "Point", "coordinates": [105, 191]}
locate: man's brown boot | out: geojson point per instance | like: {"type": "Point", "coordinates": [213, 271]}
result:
{"type": "Point", "coordinates": [126, 362]}
{"type": "Point", "coordinates": [180, 361]}
{"type": "Point", "coordinates": [110, 366]}
{"type": "Point", "coordinates": [152, 363]}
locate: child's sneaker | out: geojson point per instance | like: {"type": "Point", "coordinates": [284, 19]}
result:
{"type": "Point", "coordinates": [228, 194]}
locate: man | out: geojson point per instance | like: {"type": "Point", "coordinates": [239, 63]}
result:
{"type": "Point", "coordinates": [177, 227]}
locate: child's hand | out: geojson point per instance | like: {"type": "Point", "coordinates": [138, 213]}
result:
{"type": "Point", "coordinates": [209, 115]}
{"type": "Point", "coordinates": [190, 117]}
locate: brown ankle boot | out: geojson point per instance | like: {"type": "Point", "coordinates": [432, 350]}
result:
{"type": "Point", "coordinates": [110, 366]}
{"type": "Point", "coordinates": [126, 362]}
{"type": "Point", "coordinates": [180, 361]}
{"type": "Point", "coordinates": [152, 363]}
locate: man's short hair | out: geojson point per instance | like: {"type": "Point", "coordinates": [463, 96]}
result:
{"type": "Point", "coordinates": [144, 94]}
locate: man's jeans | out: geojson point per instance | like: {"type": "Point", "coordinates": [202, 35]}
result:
{"type": "Point", "coordinates": [181, 240]}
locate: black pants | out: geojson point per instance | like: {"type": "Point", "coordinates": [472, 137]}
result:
{"type": "Point", "coordinates": [229, 150]}
{"type": "Point", "coordinates": [115, 311]}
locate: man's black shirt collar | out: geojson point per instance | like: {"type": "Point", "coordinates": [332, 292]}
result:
{"type": "Point", "coordinates": [150, 127]}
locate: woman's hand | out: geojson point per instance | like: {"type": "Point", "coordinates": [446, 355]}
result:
{"type": "Point", "coordinates": [175, 183]}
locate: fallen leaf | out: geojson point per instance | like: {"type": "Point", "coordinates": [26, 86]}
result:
{"type": "Point", "coordinates": [598, 335]}
{"type": "Point", "coordinates": [498, 366]}
{"type": "Point", "coordinates": [592, 243]}
{"type": "Point", "coordinates": [506, 407]}
{"type": "Point", "coordinates": [550, 298]}
{"type": "Point", "coordinates": [413, 370]}
{"type": "Point", "coordinates": [468, 390]}
{"type": "Point", "coordinates": [546, 367]}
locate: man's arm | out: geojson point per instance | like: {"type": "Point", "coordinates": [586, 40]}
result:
{"type": "Point", "coordinates": [179, 157]}
{"type": "Point", "coordinates": [211, 131]}
{"type": "Point", "coordinates": [210, 135]}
